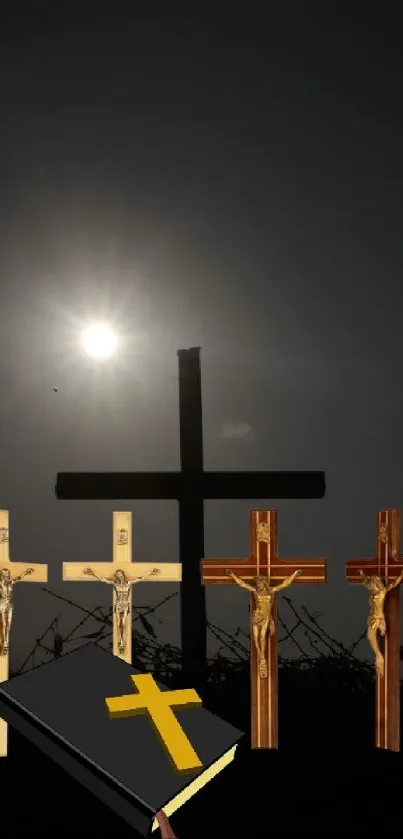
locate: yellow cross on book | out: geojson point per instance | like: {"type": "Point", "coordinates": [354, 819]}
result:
{"type": "Point", "coordinates": [157, 705]}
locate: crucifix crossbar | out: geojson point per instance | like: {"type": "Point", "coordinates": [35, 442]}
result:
{"type": "Point", "coordinates": [382, 577]}
{"type": "Point", "coordinates": [190, 487]}
{"type": "Point", "coordinates": [10, 574]}
{"type": "Point", "coordinates": [263, 562]}
{"type": "Point", "coordinates": [122, 573]}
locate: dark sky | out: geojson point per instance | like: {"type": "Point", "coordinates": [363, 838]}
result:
{"type": "Point", "coordinates": [230, 180]}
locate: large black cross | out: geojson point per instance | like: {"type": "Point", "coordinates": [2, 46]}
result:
{"type": "Point", "coordinates": [190, 487]}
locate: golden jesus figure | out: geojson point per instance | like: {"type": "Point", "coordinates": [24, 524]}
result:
{"type": "Point", "coordinates": [7, 583]}
{"type": "Point", "coordinates": [262, 618]}
{"type": "Point", "coordinates": [121, 586]}
{"type": "Point", "coordinates": [376, 619]}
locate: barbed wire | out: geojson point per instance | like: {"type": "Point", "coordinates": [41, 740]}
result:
{"type": "Point", "coordinates": [302, 629]}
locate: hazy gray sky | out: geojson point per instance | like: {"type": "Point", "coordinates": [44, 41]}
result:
{"type": "Point", "coordinates": [228, 189]}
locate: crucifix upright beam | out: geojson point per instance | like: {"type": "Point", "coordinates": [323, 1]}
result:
{"type": "Point", "coordinates": [190, 487]}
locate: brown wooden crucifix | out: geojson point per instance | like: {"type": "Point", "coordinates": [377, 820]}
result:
{"type": "Point", "coordinates": [382, 577]}
{"type": "Point", "coordinates": [263, 574]}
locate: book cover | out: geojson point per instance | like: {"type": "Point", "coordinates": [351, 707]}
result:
{"type": "Point", "coordinates": [60, 707]}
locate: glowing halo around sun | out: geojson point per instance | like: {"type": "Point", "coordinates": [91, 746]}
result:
{"type": "Point", "coordinates": [99, 341]}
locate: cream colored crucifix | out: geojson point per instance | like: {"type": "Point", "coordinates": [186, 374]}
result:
{"type": "Point", "coordinates": [10, 574]}
{"type": "Point", "coordinates": [122, 573]}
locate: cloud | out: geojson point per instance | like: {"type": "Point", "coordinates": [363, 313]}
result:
{"type": "Point", "coordinates": [235, 430]}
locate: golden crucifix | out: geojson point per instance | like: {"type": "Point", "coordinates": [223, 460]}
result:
{"type": "Point", "coordinates": [376, 620]}
{"type": "Point", "coordinates": [122, 598]}
{"type": "Point", "coordinates": [262, 620]}
{"type": "Point", "coordinates": [10, 574]}
{"type": "Point", "coordinates": [122, 573]}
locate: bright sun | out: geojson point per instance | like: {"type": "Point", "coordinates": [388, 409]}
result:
{"type": "Point", "coordinates": [99, 341]}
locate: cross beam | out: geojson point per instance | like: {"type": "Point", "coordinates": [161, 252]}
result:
{"type": "Point", "coordinates": [168, 486]}
{"type": "Point", "coordinates": [264, 561]}
{"type": "Point", "coordinates": [19, 572]}
{"type": "Point", "coordinates": [190, 487]}
{"type": "Point", "coordinates": [387, 566]}
{"type": "Point", "coordinates": [134, 572]}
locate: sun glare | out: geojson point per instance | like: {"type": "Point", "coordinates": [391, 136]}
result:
{"type": "Point", "coordinates": [99, 341]}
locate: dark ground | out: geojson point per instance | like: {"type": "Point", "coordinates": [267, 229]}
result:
{"type": "Point", "coordinates": [326, 777]}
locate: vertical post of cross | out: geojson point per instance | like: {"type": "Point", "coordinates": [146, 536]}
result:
{"type": "Point", "coordinates": [191, 519]}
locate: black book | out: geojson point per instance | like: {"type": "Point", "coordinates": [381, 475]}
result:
{"type": "Point", "coordinates": [60, 707]}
